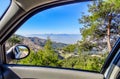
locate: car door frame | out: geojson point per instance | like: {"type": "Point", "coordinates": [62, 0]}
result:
{"type": "Point", "coordinates": [111, 56]}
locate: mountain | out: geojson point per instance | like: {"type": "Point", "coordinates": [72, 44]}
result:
{"type": "Point", "coordinates": [35, 43]}
{"type": "Point", "coordinates": [41, 42]}
{"type": "Point", "coordinates": [59, 38]}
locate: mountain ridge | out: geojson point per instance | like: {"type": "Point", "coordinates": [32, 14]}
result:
{"type": "Point", "coordinates": [59, 38]}
{"type": "Point", "coordinates": [35, 43]}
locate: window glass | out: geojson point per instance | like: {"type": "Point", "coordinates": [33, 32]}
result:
{"type": "Point", "coordinates": [3, 6]}
{"type": "Point", "coordinates": [73, 36]}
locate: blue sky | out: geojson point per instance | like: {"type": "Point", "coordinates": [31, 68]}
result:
{"type": "Point", "coordinates": [58, 20]}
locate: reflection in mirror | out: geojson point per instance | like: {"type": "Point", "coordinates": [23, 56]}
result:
{"type": "Point", "coordinates": [21, 52]}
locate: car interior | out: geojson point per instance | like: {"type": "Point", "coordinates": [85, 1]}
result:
{"type": "Point", "coordinates": [21, 10]}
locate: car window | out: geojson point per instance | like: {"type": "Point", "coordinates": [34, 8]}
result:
{"type": "Point", "coordinates": [73, 36]}
{"type": "Point", "coordinates": [3, 6]}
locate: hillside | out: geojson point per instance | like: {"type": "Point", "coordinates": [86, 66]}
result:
{"type": "Point", "coordinates": [35, 43]}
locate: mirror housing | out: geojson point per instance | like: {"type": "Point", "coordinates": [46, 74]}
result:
{"type": "Point", "coordinates": [18, 52]}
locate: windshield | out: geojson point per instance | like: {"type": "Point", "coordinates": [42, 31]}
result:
{"type": "Point", "coordinates": [3, 6]}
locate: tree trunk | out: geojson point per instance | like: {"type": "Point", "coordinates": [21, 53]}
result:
{"type": "Point", "coordinates": [108, 32]}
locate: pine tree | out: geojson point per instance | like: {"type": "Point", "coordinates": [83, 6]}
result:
{"type": "Point", "coordinates": [101, 20]}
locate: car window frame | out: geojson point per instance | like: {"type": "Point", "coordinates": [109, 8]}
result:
{"type": "Point", "coordinates": [31, 13]}
{"type": "Point", "coordinates": [6, 9]}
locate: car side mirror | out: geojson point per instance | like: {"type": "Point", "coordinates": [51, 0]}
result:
{"type": "Point", "coordinates": [18, 52]}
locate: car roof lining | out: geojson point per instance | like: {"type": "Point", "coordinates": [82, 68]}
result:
{"type": "Point", "coordinates": [32, 3]}
{"type": "Point", "coordinates": [35, 3]}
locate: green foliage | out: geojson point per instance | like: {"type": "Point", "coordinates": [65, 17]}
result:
{"type": "Point", "coordinates": [69, 48]}
{"type": "Point", "coordinates": [46, 57]}
{"type": "Point", "coordinates": [50, 58]}
{"type": "Point", "coordinates": [48, 45]}
{"type": "Point", "coordinates": [85, 62]}
{"type": "Point", "coordinates": [100, 13]}
{"type": "Point", "coordinates": [85, 46]}
{"type": "Point", "coordinates": [14, 40]}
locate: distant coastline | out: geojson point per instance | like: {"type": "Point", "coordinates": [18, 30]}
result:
{"type": "Point", "coordinates": [62, 38]}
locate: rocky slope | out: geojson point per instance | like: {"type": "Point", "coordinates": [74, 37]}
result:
{"type": "Point", "coordinates": [35, 43]}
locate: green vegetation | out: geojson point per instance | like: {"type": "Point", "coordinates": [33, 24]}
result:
{"type": "Point", "coordinates": [69, 48]}
{"type": "Point", "coordinates": [85, 62]}
{"type": "Point", "coordinates": [85, 46]}
{"type": "Point", "coordinates": [14, 40]}
{"type": "Point", "coordinates": [48, 57]}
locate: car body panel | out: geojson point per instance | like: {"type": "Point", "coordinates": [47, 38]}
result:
{"type": "Point", "coordinates": [35, 72]}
